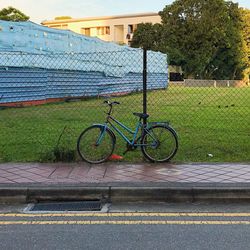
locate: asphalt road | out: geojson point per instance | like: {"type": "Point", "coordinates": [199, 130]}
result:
{"type": "Point", "coordinates": [129, 226]}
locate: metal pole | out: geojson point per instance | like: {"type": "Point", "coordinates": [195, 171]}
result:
{"type": "Point", "coordinates": [144, 84]}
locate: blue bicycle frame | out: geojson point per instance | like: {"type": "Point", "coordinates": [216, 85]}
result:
{"type": "Point", "coordinates": [147, 135]}
{"type": "Point", "coordinates": [134, 133]}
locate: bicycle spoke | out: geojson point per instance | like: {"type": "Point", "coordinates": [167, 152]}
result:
{"type": "Point", "coordinates": [161, 143]}
{"type": "Point", "coordinates": [95, 145]}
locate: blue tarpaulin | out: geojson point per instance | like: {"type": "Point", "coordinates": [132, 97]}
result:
{"type": "Point", "coordinates": [28, 49]}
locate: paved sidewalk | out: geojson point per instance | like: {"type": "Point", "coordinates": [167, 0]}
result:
{"type": "Point", "coordinates": [111, 172]}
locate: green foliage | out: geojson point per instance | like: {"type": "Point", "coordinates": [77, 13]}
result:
{"type": "Point", "coordinates": [230, 59]}
{"type": "Point", "coordinates": [147, 36]}
{"type": "Point", "coordinates": [204, 37]}
{"type": "Point", "coordinates": [12, 14]}
{"type": "Point", "coordinates": [245, 13]}
{"type": "Point", "coordinates": [61, 152]}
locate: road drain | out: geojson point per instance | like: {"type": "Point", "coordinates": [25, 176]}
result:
{"type": "Point", "coordinates": [67, 206]}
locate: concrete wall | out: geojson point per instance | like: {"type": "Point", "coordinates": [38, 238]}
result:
{"type": "Point", "coordinates": [210, 83]}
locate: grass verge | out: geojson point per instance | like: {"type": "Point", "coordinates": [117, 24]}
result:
{"type": "Point", "coordinates": [209, 121]}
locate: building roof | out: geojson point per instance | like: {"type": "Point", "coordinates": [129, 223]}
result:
{"type": "Point", "coordinates": [71, 20]}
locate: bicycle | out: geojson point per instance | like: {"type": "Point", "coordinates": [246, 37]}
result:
{"type": "Point", "coordinates": [158, 140]}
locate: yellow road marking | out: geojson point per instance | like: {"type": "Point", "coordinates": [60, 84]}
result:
{"type": "Point", "coordinates": [141, 222]}
{"type": "Point", "coordinates": [125, 215]}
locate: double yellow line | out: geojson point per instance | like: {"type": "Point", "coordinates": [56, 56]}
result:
{"type": "Point", "coordinates": [126, 222]}
{"type": "Point", "coordinates": [125, 214]}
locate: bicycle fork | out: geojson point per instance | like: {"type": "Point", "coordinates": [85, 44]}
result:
{"type": "Point", "coordinates": [103, 129]}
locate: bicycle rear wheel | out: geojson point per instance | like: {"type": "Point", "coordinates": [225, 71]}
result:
{"type": "Point", "coordinates": [96, 144]}
{"type": "Point", "coordinates": [160, 143]}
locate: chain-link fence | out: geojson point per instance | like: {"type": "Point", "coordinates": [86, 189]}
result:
{"type": "Point", "coordinates": [47, 100]}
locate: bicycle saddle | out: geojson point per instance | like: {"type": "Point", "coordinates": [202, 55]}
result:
{"type": "Point", "coordinates": [141, 115]}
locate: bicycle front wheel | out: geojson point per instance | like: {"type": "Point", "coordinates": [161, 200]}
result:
{"type": "Point", "coordinates": [160, 143]}
{"type": "Point", "coordinates": [95, 144]}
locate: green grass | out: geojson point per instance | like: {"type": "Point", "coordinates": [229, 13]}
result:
{"type": "Point", "coordinates": [208, 121]}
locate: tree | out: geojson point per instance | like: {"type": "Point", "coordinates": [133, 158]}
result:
{"type": "Point", "coordinates": [202, 36]}
{"type": "Point", "coordinates": [245, 13]}
{"type": "Point", "coordinates": [231, 58]}
{"type": "Point", "coordinates": [12, 14]}
{"type": "Point", "coordinates": [147, 35]}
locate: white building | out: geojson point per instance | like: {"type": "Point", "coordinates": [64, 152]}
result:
{"type": "Point", "coordinates": [117, 29]}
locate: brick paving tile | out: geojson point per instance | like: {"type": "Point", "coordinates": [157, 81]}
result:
{"type": "Point", "coordinates": [18, 171]}
{"type": "Point", "coordinates": [11, 176]}
{"type": "Point", "coordinates": [110, 179]}
{"type": "Point", "coordinates": [95, 175]}
{"type": "Point", "coordinates": [119, 167]}
{"type": "Point", "coordinates": [124, 177]}
{"type": "Point", "coordinates": [167, 179]}
{"type": "Point", "coordinates": [186, 175]}
{"type": "Point", "coordinates": [167, 171]}
{"type": "Point", "coordinates": [236, 170]}
{"type": "Point", "coordinates": [219, 172]}
{"type": "Point", "coordinates": [45, 175]}
{"type": "Point", "coordinates": [237, 180]}
{"type": "Point", "coordinates": [3, 179]}
{"type": "Point", "coordinates": [242, 173]}
{"type": "Point", "coordinates": [196, 171]}
{"type": "Point", "coordinates": [40, 171]}
{"type": "Point", "coordinates": [245, 179]}
{"type": "Point", "coordinates": [96, 171]}
{"type": "Point", "coordinates": [226, 176]}
{"type": "Point", "coordinates": [129, 174]}
{"type": "Point", "coordinates": [121, 171]}
{"type": "Point", "coordinates": [108, 172]}
{"type": "Point", "coordinates": [7, 182]}
{"type": "Point", "coordinates": [232, 174]}
{"type": "Point", "coordinates": [15, 169]}
{"type": "Point", "coordinates": [192, 180]}
{"type": "Point", "coordinates": [210, 174]}
{"type": "Point", "coordinates": [61, 172]}
{"type": "Point", "coordinates": [5, 174]}
{"type": "Point", "coordinates": [79, 172]}
{"type": "Point", "coordinates": [30, 174]}
{"type": "Point", "coordinates": [23, 180]}
{"type": "Point", "coordinates": [135, 170]}
{"type": "Point", "coordinates": [107, 179]}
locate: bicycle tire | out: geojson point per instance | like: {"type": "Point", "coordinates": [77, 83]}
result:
{"type": "Point", "coordinates": [169, 146]}
{"type": "Point", "coordinates": [87, 148]}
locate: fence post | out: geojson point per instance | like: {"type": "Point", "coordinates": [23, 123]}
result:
{"type": "Point", "coordinates": [144, 84]}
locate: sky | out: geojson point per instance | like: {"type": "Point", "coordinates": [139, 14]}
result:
{"type": "Point", "coordinates": [49, 9]}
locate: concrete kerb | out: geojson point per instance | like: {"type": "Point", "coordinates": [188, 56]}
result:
{"type": "Point", "coordinates": [128, 193]}
{"type": "Point", "coordinates": [13, 195]}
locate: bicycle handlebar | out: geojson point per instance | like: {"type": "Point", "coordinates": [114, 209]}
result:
{"type": "Point", "coordinates": [111, 103]}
